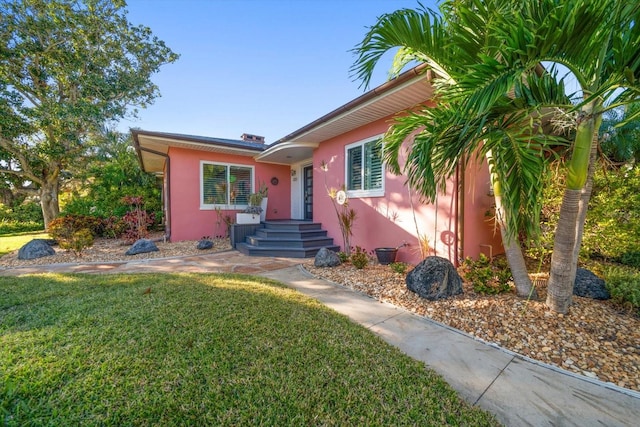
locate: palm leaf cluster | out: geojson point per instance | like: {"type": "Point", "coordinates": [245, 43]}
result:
{"type": "Point", "coordinates": [493, 94]}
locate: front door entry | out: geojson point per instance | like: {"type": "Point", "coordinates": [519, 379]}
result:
{"type": "Point", "coordinates": [307, 188]}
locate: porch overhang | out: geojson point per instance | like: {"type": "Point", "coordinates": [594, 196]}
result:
{"type": "Point", "coordinates": [287, 153]}
{"type": "Point", "coordinates": [405, 92]}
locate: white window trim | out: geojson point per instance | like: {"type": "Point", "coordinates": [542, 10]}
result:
{"type": "Point", "coordinates": [378, 192]}
{"type": "Point", "coordinates": [210, 207]}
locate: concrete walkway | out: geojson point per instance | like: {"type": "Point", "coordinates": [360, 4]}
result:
{"type": "Point", "coordinates": [518, 390]}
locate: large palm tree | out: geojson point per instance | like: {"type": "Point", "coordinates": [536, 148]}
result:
{"type": "Point", "coordinates": [449, 44]}
{"type": "Point", "coordinates": [596, 41]}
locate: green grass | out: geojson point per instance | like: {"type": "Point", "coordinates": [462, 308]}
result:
{"type": "Point", "coordinates": [11, 242]}
{"type": "Point", "coordinates": [205, 350]}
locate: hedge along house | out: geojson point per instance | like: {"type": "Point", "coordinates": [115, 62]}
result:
{"type": "Point", "coordinates": [388, 213]}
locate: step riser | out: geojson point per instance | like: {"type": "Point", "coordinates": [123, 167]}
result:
{"type": "Point", "coordinates": [289, 234]}
{"type": "Point", "coordinates": [289, 243]}
{"type": "Point", "coordinates": [293, 227]}
{"type": "Point", "coordinates": [283, 253]}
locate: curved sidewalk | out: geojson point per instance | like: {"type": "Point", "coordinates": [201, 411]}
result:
{"type": "Point", "coordinates": [518, 390]}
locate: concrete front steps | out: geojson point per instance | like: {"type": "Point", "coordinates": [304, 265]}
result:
{"type": "Point", "coordinates": [287, 239]}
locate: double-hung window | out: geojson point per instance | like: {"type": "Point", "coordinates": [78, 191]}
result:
{"type": "Point", "coordinates": [364, 168]}
{"type": "Point", "coordinates": [225, 186]}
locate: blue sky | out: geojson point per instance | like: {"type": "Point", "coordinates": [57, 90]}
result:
{"type": "Point", "coordinates": [266, 67]}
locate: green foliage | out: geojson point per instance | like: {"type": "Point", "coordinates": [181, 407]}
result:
{"type": "Point", "coordinates": [619, 136]}
{"type": "Point", "coordinates": [202, 349]}
{"type": "Point", "coordinates": [112, 171]}
{"type": "Point", "coordinates": [23, 215]}
{"type": "Point", "coordinates": [612, 231]}
{"type": "Point", "coordinates": [359, 258]}
{"type": "Point", "coordinates": [68, 67]}
{"type": "Point", "coordinates": [487, 276]}
{"type": "Point", "coordinates": [63, 228]}
{"type": "Point", "coordinates": [624, 286]}
{"type": "Point", "coordinates": [399, 267]}
{"type": "Point", "coordinates": [343, 257]}
{"type": "Point", "coordinates": [8, 226]}
{"type": "Point", "coordinates": [78, 241]}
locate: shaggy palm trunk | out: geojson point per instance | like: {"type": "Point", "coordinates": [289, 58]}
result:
{"type": "Point", "coordinates": [512, 249]}
{"type": "Point", "coordinates": [571, 222]}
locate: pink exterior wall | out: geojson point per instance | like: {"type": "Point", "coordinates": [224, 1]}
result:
{"type": "Point", "coordinates": [383, 221]}
{"type": "Point", "coordinates": [480, 234]}
{"type": "Point", "coordinates": [391, 220]}
{"type": "Point", "coordinates": [188, 221]}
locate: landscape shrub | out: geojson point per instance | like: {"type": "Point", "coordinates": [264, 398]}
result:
{"type": "Point", "coordinates": [612, 227]}
{"type": "Point", "coordinates": [359, 258]}
{"type": "Point", "coordinates": [399, 267]}
{"type": "Point", "coordinates": [487, 276]}
{"type": "Point", "coordinates": [13, 226]}
{"type": "Point", "coordinates": [624, 287]}
{"type": "Point", "coordinates": [137, 221]}
{"type": "Point", "coordinates": [21, 217]}
{"type": "Point", "coordinates": [78, 241]}
{"type": "Point", "coordinates": [63, 227]}
{"type": "Point", "coordinates": [343, 257]}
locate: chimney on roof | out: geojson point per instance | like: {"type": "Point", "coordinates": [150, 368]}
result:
{"type": "Point", "coordinates": [247, 137]}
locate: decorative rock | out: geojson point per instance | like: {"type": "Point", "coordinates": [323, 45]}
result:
{"type": "Point", "coordinates": [142, 246]}
{"type": "Point", "coordinates": [434, 278]}
{"type": "Point", "coordinates": [589, 285]}
{"type": "Point", "coordinates": [326, 258]}
{"type": "Point", "coordinates": [37, 248]}
{"type": "Point", "coordinates": [205, 244]}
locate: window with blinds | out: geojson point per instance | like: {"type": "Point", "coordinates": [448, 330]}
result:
{"type": "Point", "coordinates": [364, 168]}
{"type": "Point", "coordinates": [224, 185]}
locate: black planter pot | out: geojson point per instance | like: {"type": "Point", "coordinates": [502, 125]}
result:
{"type": "Point", "coordinates": [386, 255]}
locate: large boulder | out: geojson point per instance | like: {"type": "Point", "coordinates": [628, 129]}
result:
{"type": "Point", "coordinates": [434, 278]}
{"type": "Point", "coordinates": [589, 285]}
{"type": "Point", "coordinates": [37, 248]}
{"type": "Point", "coordinates": [326, 258]}
{"type": "Point", "coordinates": [142, 246]}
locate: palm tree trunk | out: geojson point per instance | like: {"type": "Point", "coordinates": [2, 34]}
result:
{"type": "Point", "coordinates": [512, 249]}
{"type": "Point", "coordinates": [563, 268]}
{"type": "Point", "coordinates": [585, 196]}
{"type": "Point", "coordinates": [515, 259]}
{"type": "Point", "coordinates": [566, 246]}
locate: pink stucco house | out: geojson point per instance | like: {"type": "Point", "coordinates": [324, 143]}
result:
{"type": "Point", "coordinates": [207, 178]}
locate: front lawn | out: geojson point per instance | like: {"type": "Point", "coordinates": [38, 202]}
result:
{"type": "Point", "coordinates": [201, 349]}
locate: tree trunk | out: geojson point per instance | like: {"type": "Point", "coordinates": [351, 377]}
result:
{"type": "Point", "coordinates": [563, 268]}
{"type": "Point", "coordinates": [515, 259]}
{"type": "Point", "coordinates": [585, 196]}
{"type": "Point", "coordinates": [49, 200]}
{"type": "Point", "coordinates": [568, 238]}
{"type": "Point", "coordinates": [512, 249]}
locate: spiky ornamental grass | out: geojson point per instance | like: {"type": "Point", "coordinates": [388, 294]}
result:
{"type": "Point", "coordinates": [180, 349]}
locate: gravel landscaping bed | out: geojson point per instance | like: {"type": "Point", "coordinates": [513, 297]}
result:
{"type": "Point", "coordinates": [596, 338]}
{"type": "Point", "coordinates": [114, 250]}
